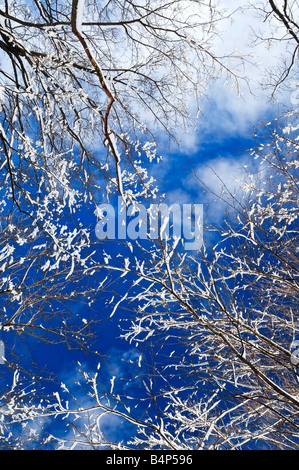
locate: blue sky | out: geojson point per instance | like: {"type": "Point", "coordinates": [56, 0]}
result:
{"type": "Point", "coordinates": [213, 144]}
{"type": "Point", "coordinates": [224, 152]}
{"type": "Point", "coordinates": [218, 141]}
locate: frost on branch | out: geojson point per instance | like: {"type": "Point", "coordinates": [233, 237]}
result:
{"type": "Point", "coordinates": [226, 319]}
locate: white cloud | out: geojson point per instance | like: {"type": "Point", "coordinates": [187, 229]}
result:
{"type": "Point", "coordinates": [223, 172]}
{"type": "Point", "coordinates": [220, 177]}
{"type": "Point", "coordinates": [225, 112]}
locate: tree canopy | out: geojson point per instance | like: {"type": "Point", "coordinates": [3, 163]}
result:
{"type": "Point", "coordinates": [94, 96]}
